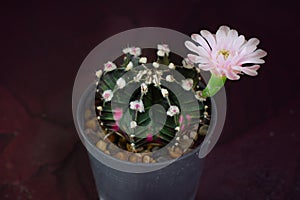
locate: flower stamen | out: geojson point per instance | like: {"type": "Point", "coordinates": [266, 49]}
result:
{"type": "Point", "coordinates": [225, 53]}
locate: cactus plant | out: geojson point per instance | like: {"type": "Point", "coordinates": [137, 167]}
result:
{"type": "Point", "coordinates": [134, 105]}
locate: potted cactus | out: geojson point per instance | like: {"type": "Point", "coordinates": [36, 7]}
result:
{"type": "Point", "coordinates": [150, 114]}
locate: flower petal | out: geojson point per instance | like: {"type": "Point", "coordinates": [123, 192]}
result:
{"type": "Point", "coordinates": [197, 38]}
{"type": "Point", "coordinates": [224, 28]}
{"type": "Point", "coordinates": [197, 49]}
{"type": "Point", "coordinates": [216, 71]}
{"type": "Point", "coordinates": [205, 67]}
{"type": "Point", "coordinates": [231, 75]}
{"type": "Point", "coordinates": [209, 38]}
{"type": "Point", "coordinates": [197, 59]}
{"type": "Point", "coordinates": [233, 34]}
{"type": "Point", "coordinates": [221, 35]}
{"type": "Point", "coordinates": [253, 57]}
{"type": "Point", "coordinates": [254, 67]}
{"type": "Point", "coordinates": [237, 68]}
{"type": "Point", "coordinates": [252, 41]}
{"type": "Point", "coordinates": [257, 54]}
{"type": "Point", "coordinates": [191, 46]}
{"type": "Point", "coordinates": [252, 60]}
{"type": "Point", "coordinates": [249, 49]}
{"type": "Point", "coordinates": [238, 42]}
{"type": "Point", "coordinates": [249, 71]}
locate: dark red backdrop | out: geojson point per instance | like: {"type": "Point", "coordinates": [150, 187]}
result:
{"type": "Point", "coordinates": [43, 45]}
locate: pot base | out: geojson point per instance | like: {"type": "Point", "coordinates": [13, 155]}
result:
{"type": "Point", "coordinates": [176, 181]}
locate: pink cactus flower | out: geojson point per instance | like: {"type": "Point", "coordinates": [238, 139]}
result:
{"type": "Point", "coordinates": [226, 53]}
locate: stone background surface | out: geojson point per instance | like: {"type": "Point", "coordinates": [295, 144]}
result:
{"type": "Point", "coordinates": [43, 44]}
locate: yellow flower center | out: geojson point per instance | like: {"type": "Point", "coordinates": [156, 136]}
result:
{"type": "Point", "coordinates": [225, 53]}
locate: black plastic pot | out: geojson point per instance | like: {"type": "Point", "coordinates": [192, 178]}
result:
{"type": "Point", "coordinates": [178, 180]}
{"type": "Point", "coordinates": [163, 180]}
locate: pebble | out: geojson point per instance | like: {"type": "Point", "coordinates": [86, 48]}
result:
{"type": "Point", "coordinates": [92, 124]}
{"type": "Point", "coordinates": [161, 153]}
{"type": "Point", "coordinates": [162, 159]}
{"type": "Point", "coordinates": [177, 152]}
{"type": "Point", "coordinates": [120, 156]}
{"type": "Point", "coordinates": [203, 130]}
{"type": "Point", "coordinates": [193, 135]}
{"type": "Point", "coordinates": [139, 155]}
{"type": "Point", "coordinates": [133, 158]}
{"type": "Point", "coordinates": [101, 134]}
{"type": "Point", "coordinates": [101, 145]}
{"type": "Point", "coordinates": [146, 159]}
{"type": "Point", "coordinates": [88, 114]}
{"type": "Point", "coordinates": [92, 136]}
{"type": "Point", "coordinates": [113, 148]}
{"type": "Point", "coordinates": [185, 144]}
{"type": "Point", "coordinates": [185, 137]}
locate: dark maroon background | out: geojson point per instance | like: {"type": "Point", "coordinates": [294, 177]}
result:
{"type": "Point", "coordinates": [43, 45]}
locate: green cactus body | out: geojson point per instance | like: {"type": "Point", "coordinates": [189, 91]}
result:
{"type": "Point", "coordinates": [134, 105]}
